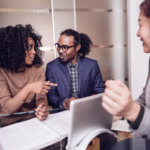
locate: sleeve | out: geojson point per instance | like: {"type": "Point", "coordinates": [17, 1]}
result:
{"type": "Point", "coordinates": [138, 120]}
{"type": "Point", "coordinates": [144, 127]}
{"type": "Point", "coordinates": [53, 97]}
{"type": "Point", "coordinates": [98, 84]}
{"type": "Point", "coordinates": [5, 94]}
{"type": "Point", "coordinates": [41, 98]}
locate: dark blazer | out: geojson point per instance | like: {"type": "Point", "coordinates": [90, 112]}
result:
{"type": "Point", "coordinates": [90, 80]}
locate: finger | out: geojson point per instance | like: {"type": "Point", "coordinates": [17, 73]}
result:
{"type": "Point", "coordinates": [110, 102]}
{"type": "Point", "coordinates": [53, 84]}
{"type": "Point", "coordinates": [65, 104]}
{"type": "Point", "coordinates": [68, 104]}
{"type": "Point", "coordinates": [112, 95]}
{"type": "Point", "coordinates": [107, 108]}
{"type": "Point", "coordinates": [123, 87]}
{"type": "Point", "coordinates": [39, 107]}
{"type": "Point", "coordinates": [110, 105]}
{"type": "Point", "coordinates": [40, 117]}
{"type": "Point", "coordinates": [44, 91]}
{"type": "Point", "coordinates": [50, 83]}
{"type": "Point", "coordinates": [111, 84]}
{"type": "Point", "coordinates": [42, 114]}
{"type": "Point", "coordinates": [43, 109]}
{"type": "Point", "coordinates": [42, 106]}
{"type": "Point", "coordinates": [116, 86]}
{"type": "Point", "coordinates": [47, 87]}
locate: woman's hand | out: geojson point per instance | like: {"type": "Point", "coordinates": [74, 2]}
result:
{"type": "Point", "coordinates": [117, 101]}
{"type": "Point", "coordinates": [40, 87]}
{"type": "Point", "coordinates": [41, 112]}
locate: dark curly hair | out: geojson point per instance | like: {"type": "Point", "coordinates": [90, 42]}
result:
{"type": "Point", "coordinates": [145, 8]}
{"type": "Point", "coordinates": [13, 44]}
{"type": "Point", "coordinates": [79, 38]}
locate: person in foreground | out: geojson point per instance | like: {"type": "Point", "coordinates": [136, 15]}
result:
{"type": "Point", "coordinates": [117, 99]}
{"type": "Point", "coordinates": [75, 75]}
{"type": "Point", "coordinates": [22, 79]}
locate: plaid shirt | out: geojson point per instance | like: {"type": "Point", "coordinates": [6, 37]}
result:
{"type": "Point", "coordinates": [73, 71]}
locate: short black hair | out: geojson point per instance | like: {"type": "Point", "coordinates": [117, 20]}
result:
{"type": "Point", "coordinates": [145, 8]}
{"type": "Point", "coordinates": [13, 43]}
{"type": "Point", "coordinates": [79, 38]}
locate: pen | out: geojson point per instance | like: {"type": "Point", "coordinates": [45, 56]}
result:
{"type": "Point", "coordinates": [30, 112]}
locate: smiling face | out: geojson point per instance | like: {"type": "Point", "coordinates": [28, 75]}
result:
{"type": "Point", "coordinates": [30, 52]}
{"type": "Point", "coordinates": [144, 31]}
{"type": "Point", "coordinates": [71, 54]}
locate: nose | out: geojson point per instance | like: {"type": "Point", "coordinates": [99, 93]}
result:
{"type": "Point", "coordinates": [60, 50]}
{"type": "Point", "coordinates": [138, 33]}
{"type": "Point", "coordinates": [33, 51]}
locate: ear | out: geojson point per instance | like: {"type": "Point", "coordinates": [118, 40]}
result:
{"type": "Point", "coordinates": [78, 47]}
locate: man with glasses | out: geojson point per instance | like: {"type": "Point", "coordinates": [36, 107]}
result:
{"type": "Point", "coordinates": [76, 76]}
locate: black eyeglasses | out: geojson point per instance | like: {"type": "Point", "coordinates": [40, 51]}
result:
{"type": "Point", "coordinates": [63, 47]}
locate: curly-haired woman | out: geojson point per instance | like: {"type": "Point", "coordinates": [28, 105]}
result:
{"type": "Point", "coordinates": [22, 78]}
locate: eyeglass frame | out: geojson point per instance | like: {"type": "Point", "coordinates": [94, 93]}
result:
{"type": "Point", "coordinates": [64, 49]}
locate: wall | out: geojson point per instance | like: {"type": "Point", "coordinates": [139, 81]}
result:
{"type": "Point", "coordinates": [48, 18]}
{"type": "Point", "coordinates": [105, 22]}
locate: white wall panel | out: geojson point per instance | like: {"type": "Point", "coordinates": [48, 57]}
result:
{"type": "Point", "coordinates": [33, 4]}
{"type": "Point", "coordinates": [106, 24]}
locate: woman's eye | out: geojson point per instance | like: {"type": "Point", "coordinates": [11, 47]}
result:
{"type": "Point", "coordinates": [29, 47]}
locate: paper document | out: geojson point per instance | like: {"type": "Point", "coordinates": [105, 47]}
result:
{"type": "Point", "coordinates": [34, 134]}
{"type": "Point", "coordinates": [59, 122]}
{"type": "Point", "coordinates": [120, 125]}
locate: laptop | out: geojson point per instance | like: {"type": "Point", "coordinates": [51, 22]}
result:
{"type": "Point", "coordinates": [87, 115]}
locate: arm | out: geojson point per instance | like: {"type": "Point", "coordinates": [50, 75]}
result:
{"type": "Point", "coordinates": [144, 128]}
{"type": "Point", "coordinates": [53, 97]}
{"type": "Point", "coordinates": [41, 99]}
{"type": "Point", "coordinates": [98, 84]}
{"type": "Point", "coordinates": [10, 104]}
{"type": "Point", "coordinates": [117, 101]}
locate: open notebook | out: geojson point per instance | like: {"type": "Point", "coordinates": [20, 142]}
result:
{"type": "Point", "coordinates": [34, 134]}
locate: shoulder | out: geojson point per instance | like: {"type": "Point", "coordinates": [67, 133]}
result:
{"type": "Point", "coordinates": [55, 62]}
{"type": "Point", "coordinates": [87, 60]}
{"type": "Point", "coordinates": [55, 65]}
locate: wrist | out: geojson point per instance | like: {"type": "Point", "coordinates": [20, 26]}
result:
{"type": "Point", "coordinates": [24, 93]}
{"type": "Point", "coordinates": [28, 88]}
{"type": "Point", "coordinates": [133, 112]}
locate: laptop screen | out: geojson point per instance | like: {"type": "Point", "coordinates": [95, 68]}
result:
{"type": "Point", "coordinates": [87, 115]}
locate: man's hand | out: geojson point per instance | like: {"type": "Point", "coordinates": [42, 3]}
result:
{"type": "Point", "coordinates": [41, 112]}
{"type": "Point", "coordinates": [67, 102]}
{"type": "Point", "coordinates": [117, 101]}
